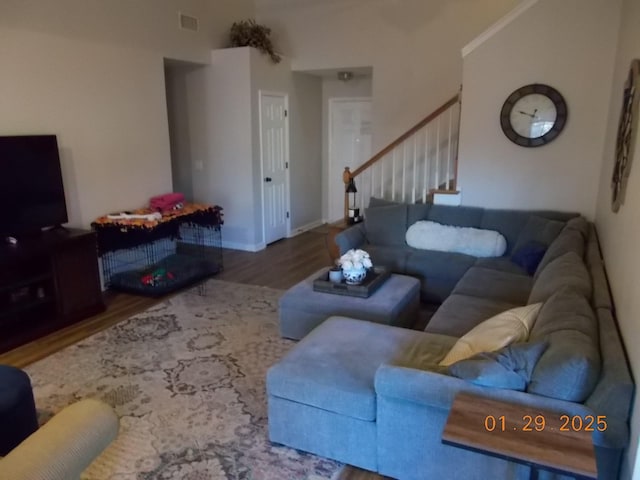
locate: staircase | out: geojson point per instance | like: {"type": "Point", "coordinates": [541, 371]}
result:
{"type": "Point", "coordinates": [419, 163]}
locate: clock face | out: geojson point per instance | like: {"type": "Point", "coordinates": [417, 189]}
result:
{"type": "Point", "coordinates": [533, 115]}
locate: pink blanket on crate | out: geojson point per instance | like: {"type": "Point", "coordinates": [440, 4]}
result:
{"type": "Point", "coordinates": [166, 202]}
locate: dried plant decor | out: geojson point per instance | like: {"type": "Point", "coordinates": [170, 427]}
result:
{"type": "Point", "coordinates": [248, 33]}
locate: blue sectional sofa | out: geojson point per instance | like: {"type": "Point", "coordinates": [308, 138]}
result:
{"type": "Point", "coordinates": [375, 397]}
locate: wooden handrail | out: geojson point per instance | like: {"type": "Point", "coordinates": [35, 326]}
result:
{"type": "Point", "coordinates": [449, 103]}
{"type": "Point", "coordinates": [348, 175]}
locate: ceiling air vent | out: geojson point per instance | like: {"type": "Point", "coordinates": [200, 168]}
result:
{"type": "Point", "coordinates": [187, 22]}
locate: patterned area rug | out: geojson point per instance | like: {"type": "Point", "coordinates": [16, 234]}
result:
{"type": "Point", "coordinates": [187, 379]}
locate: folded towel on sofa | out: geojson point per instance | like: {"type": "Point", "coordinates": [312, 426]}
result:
{"type": "Point", "coordinates": [427, 235]}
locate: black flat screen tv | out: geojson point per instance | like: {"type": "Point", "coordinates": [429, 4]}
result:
{"type": "Point", "coordinates": [31, 188]}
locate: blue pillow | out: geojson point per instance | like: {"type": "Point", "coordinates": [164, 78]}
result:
{"type": "Point", "coordinates": [529, 256]}
{"type": "Point", "coordinates": [510, 367]}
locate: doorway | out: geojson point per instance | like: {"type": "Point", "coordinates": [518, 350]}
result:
{"type": "Point", "coordinates": [274, 159]}
{"type": "Point", "coordinates": [180, 120]}
{"type": "Point", "coordinates": [349, 145]}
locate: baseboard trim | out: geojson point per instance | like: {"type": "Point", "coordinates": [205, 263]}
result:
{"type": "Point", "coordinates": [247, 247]}
{"type": "Point", "coordinates": [305, 228]}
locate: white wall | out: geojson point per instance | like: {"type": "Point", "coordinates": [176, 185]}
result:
{"type": "Point", "coordinates": [620, 232]}
{"type": "Point", "coordinates": [553, 43]}
{"type": "Point", "coordinates": [176, 75]}
{"type": "Point", "coordinates": [306, 152]}
{"type": "Point", "coordinates": [92, 73]}
{"type": "Point", "coordinates": [145, 24]}
{"type": "Point", "coordinates": [221, 128]}
{"type": "Point", "coordinates": [412, 45]}
{"type": "Point", "coordinates": [358, 87]}
{"type": "Point", "coordinates": [112, 129]}
{"type": "Point", "coordinates": [223, 106]}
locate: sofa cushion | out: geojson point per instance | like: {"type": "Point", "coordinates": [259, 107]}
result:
{"type": "Point", "coordinates": [458, 216]}
{"type": "Point", "coordinates": [570, 367]}
{"type": "Point", "coordinates": [435, 290]}
{"type": "Point", "coordinates": [439, 272]}
{"type": "Point", "coordinates": [381, 202]}
{"type": "Point", "coordinates": [393, 258]}
{"type": "Point", "coordinates": [353, 237]}
{"type": "Point", "coordinates": [508, 222]}
{"type": "Point", "coordinates": [333, 367]}
{"type": "Point", "coordinates": [580, 224]}
{"type": "Point", "coordinates": [554, 215]}
{"type": "Point", "coordinates": [428, 235]}
{"type": "Point", "coordinates": [425, 352]}
{"type": "Point", "coordinates": [494, 333]}
{"type": "Point", "coordinates": [386, 225]}
{"type": "Point", "coordinates": [502, 264]}
{"type": "Point", "coordinates": [433, 264]}
{"type": "Point", "coordinates": [528, 256]}
{"type": "Point", "coordinates": [494, 284]}
{"type": "Point", "coordinates": [614, 392]}
{"type": "Point", "coordinates": [601, 297]}
{"type": "Point", "coordinates": [592, 253]}
{"type": "Point", "coordinates": [460, 313]}
{"type": "Point", "coordinates": [569, 240]}
{"type": "Point", "coordinates": [417, 211]}
{"type": "Point", "coordinates": [510, 367]}
{"type": "Point", "coordinates": [540, 230]}
{"type": "Point", "coordinates": [567, 271]}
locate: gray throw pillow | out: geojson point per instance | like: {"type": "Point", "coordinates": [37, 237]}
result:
{"type": "Point", "coordinates": [510, 367]}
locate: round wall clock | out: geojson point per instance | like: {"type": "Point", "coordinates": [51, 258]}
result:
{"type": "Point", "coordinates": [533, 115]}
{"type": "Point", "coordinates": [625, 142]}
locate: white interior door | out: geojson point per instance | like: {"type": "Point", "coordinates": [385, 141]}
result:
{"type": "Point", "coordinates": [349, 145]}
{"type": "Point", "coordinates": [274, 153]}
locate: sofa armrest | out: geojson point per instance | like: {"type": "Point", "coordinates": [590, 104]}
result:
{"type": "Point", "coordinates": [64, 446]}
{"type": "Point", "coordinates": [353, 237]}
{"type": "Point", "coordinates": [436, 390]}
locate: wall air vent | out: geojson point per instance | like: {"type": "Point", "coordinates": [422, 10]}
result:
{"type": "Point", "coordinates": [188, 22]}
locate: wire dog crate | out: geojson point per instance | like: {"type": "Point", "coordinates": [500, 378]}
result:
{"type": "Point", "coordinates": [156, 258]}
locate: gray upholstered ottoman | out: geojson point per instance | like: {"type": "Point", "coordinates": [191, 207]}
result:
{"type": "Point", "coordinates": [396, 302]}
{"type": "Point", "coordinates": [321, 394]}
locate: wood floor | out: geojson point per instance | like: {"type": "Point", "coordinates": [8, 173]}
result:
{"type": "Point", "coordinates": [281, 265]}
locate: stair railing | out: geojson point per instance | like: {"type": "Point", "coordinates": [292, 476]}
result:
{"type": "Point", "coordinates": [420, 162]}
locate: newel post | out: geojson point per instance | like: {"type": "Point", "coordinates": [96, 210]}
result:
{"type": "Point", "coordinates": [346, 178]}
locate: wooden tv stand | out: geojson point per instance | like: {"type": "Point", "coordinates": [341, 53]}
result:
{"type": "Point", "coordinates": [47, 281]}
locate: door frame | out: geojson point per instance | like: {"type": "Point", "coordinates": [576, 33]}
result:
{"type": "Point", "coordinates": [285, 97]}
{"type": "Point", "coordinates": [333, 101]}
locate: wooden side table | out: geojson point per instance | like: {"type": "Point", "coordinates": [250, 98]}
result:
{"type": "Point", "coordinates": [541, 439]}
{"type": "Point", "coordinates": [334, 229]}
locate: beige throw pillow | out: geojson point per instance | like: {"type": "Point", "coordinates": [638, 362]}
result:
{"type": "Point", "coordinates": [495, 333]}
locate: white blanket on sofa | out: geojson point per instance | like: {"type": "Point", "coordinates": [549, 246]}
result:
{"type": "Point", "coordinates": [427, 235]}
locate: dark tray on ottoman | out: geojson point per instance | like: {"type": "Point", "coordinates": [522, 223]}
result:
{"type": "Point", "coordinates": [375, 277]}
